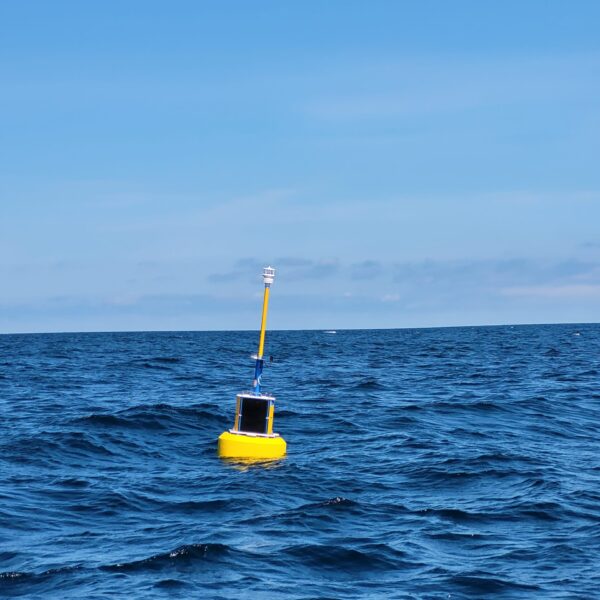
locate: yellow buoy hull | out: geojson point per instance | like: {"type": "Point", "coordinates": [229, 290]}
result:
{"type": "Point", "coordinates": [239, 445]}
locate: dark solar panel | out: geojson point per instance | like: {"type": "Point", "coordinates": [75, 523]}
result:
{"type": "Point", "coordinates": [254, 415]}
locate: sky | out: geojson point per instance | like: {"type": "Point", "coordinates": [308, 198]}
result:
{"type": "Point", "coordinates": [400, 163]}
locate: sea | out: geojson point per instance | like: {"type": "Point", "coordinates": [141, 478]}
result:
{"type": "Point", "coordinates": [450, 463]}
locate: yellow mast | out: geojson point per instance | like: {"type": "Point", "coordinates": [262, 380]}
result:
{"type": "Point", "coordinates": [263, 323]}
{"type": "Point", "coordinates": [268, 277]}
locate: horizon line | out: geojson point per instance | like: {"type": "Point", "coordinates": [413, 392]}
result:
{"type": "Point", "coordinates": [528, 324]}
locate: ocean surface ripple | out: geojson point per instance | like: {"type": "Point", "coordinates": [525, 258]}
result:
{"type": "Point", "coordinates": [422, 463]}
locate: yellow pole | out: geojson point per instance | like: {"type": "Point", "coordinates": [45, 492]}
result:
{"type": "Point", "coordinates": [263, 323]}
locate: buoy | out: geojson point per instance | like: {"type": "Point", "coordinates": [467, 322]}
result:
{"type": "Point", "coordinates": [252, 433]}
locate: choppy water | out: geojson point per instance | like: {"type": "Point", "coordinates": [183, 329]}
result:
{"type": "Point", "coordinates": [436, 463]}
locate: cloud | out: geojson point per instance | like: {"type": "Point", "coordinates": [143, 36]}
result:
{"type": "Point", "coordinates": [491, 273]}
{"type": "Point", "coordinates": [450, 85]}
{"type": "Point", "coordinates": [331, 293]}
{"type": "Point", "coordinates": [391, 298]}
{"type": "Point", "coordinates": [244, 268]}
{"type": "Point", "coordinates": [153, 305]}
{"type": "Point", "coordinates": [496, 285]}
{"type": "Point", "coordinates": [574, 291]}
{"type": "Point", "coordinates": [443, 278]}
{"type": "Point", "coordinates": [318, 270]}
{"type": "Point", "coordinates": [292, 269]}
{"type": "Point", "coordinates": [592, 245]}
{"type": "Point", "coordinates": [368, 269]}
{"type": "Point", "coordinates": [292, 262]}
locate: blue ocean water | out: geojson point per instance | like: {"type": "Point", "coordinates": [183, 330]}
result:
{"type": "Point", "coordinates": [433, 463]}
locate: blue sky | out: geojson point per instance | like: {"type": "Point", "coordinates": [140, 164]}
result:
{"type": "Point", "coordinates": [402, 164]}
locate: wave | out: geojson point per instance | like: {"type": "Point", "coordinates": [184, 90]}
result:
{"type": "Point", "coordinates": [185, 554]}
{"type": "Point", "coordinates": [152, 416]}
{"type": "Point", "coordinates": [54, 447]}
{"type": "Point", "coordinates": [341, 558]}
{"type": "Point", "coordinates": [182, 555]}
{"type": "Point", "coordinates": [167, 359]}
{"type": "Point", "coordinates": [337, 502]}
{"type": "Point", "coordinates": [163, 363]}
{"type": "Point", "coordinates": [480, 584]}
{"type": "Point", "coordinates": [18, 578]}
{"type": "Point", "coordinates": [370, 383]}
{"type": "Point", "coordinates": [478, 404]}
{"type": "Point", "coordinates": [170, 584]}
{"type": "Point", "coordinates": [147, 364]}
{"type": "Point", "coordinates": [203, 506]}
{"type": "Point", "coordinates": [318, 510]}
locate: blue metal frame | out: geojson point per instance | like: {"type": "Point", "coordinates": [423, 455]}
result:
{"type": "Point", "coordinates": [258, 369]}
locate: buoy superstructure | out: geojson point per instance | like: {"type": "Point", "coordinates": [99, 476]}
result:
{"type": "Point", "coordinates": [252, 433]}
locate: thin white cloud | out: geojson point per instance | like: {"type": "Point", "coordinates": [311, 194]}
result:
{"type": "Point", "coordinates": [569, 291]}
{"type": "Point", "coordinates": [441, 86]}
{"type": "Point", "coordinates": [390, 298]}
